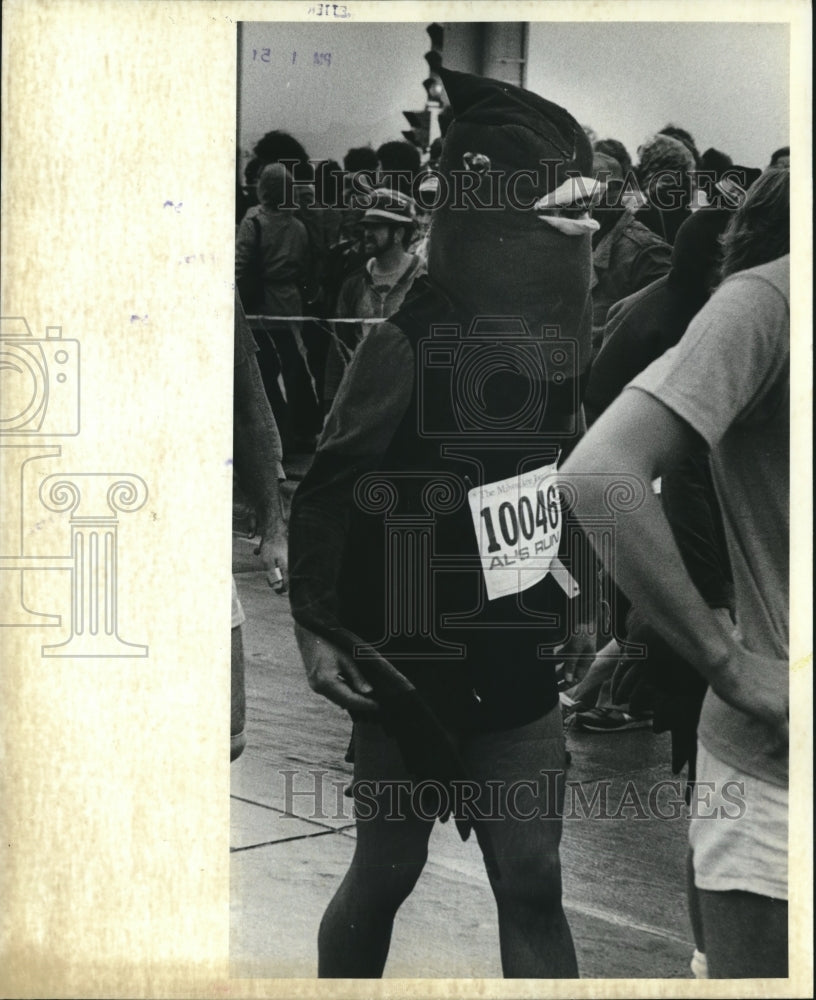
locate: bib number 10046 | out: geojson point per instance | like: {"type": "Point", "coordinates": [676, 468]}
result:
{"type": "Point", "coordinates": [518, 530]}
{"type": "Point", "coordinates": [519, 521]}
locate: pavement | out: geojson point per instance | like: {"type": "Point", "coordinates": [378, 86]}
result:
{"type": "Point", "coordinates": [292, 836]}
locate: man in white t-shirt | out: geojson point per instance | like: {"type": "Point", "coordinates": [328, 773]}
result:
{"type": "Point", "coordinates": [725, 386]}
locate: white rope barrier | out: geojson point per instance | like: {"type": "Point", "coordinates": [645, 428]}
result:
{"type": "Point", "coordinates": [312, 319]}
{"type": "Point", "coordinates": [261, 324]}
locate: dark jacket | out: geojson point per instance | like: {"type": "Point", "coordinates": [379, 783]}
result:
{"type": "Point", "coordinates": [360, 298]}
{"type": "Point", "coordinates": [274, 244]}
{"type": "Point", "coordinates": [638, 331]}
{"type": "Point", "coordinates": [626, 259]}
{"type": "Point", "coordinates": [382, 539]}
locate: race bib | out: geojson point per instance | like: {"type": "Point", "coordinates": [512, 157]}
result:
{"type": "Point", "coordinates": [518, 531]}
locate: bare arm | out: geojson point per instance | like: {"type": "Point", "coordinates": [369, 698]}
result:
{"type": "Point", "coordinates": [641, 437]}
{"type": "Point", "coordinates": [245, 247]}
{"type": "Point", "coordinates": [257, 462]}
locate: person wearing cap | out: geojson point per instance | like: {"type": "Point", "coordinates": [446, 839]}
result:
{"type": "Point", "coordinates": [449, 423]}
{"type": "Point", "coordinates": [376, 289]}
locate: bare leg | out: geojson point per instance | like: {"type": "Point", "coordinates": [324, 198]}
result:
{"type": "Point", "coordinates": [745, 932]}
{"type": "Point", "coordinates": [694, 905]}
{"type": "Point", "coordinates": [238, 696]}
{"type": "Point", "coordinates": [746, 935]}
{"type": "Point", "coordinates": [392, 845]}
{"type": "Point", "coordinates": [603, 666]}
{"type": "Point", "coordinates": [534, 935]}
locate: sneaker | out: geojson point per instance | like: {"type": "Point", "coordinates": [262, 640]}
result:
{"type": "Point", "coordinates": [571, 704]}
{"type": "Point", "coordinates": [570, 707]}
{"type": "Point", "coordinates": [699, 965]}
{"type": "Point", "coordinates": [610, 720]}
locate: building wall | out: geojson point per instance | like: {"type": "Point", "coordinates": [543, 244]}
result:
{"type": "Point", "coordinates": [464, 44]}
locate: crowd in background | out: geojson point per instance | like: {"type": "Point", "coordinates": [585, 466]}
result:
{"type": "Point", "coordinates": [323, 252]}
{"type": "Point", "coordinates": [322, 249]}
{"type": "Point", "coordinates": [306, 249]}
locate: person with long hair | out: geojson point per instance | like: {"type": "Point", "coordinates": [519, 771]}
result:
{"type": "Point", "coordinates": [760, 229]}
{"type": "Point", "coordinates": [725, 387]}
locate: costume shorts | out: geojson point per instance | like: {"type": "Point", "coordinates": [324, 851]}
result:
{"type": "Point", "coordinates": [746, 846]}
{"type": "Point", "coordinates": [238, 617]}
{"type": "Point", "coordinates": [516, 773]}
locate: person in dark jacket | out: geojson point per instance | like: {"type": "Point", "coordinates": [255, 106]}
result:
{"type": "Point", "coordinates": [272, 252]}
{"type": "Point", "coordinates": [626, 254]}
{"type": "Point", "coordinates": [639, 329]}
{"type": "Point", "coordinates": [432, 570]}
{"type": "Point", "coordinates": [644, 324]}
{"type": "Point", "coordinates": [664, 174]}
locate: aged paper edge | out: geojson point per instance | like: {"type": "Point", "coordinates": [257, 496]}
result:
{"type": "Point", "coordinates": [153, 77]}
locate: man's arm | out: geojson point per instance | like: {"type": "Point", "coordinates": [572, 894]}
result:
{"type": "Point", "coordinates": [370, 404]}
{"type": "Point", "coordinates": [257, 451]}
{"type": "Point", "coordinates": [245, 247]}
{"type": "Point", "coordinates": [639, 436]}
{"type": "Point", "coordinates": [628, 347]}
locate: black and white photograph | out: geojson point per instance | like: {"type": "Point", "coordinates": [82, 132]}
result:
{"type": "Point", "coordinates": [427, 388]}
{"type": "Point", "coordinates": [552, 609]}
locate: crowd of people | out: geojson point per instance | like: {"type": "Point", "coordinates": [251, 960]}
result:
{"type": "Point", "coordinates": [669, 279]}
{"type": "Point", "coordinates": [316, 242]}
{"type": "Point", "coordinates": [306, 226]}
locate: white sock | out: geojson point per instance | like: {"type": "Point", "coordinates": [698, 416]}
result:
{"type": "Point", "coordinates": [699, 965]}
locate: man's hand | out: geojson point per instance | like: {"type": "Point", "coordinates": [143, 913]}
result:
{"type": "Point", "coordinates": [757, 686]}
{"type": "Point", "coordinates": [578, 652]}
{"type": "Point", "coordinates": [273, 552]}
{"type": "Point", "coordinates": [333, 674]}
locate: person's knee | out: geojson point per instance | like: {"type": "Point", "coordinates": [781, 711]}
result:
{"type": "Point", "coordinates": [529, 880]}
{"type": "Point", "coordinates": [387, 882]}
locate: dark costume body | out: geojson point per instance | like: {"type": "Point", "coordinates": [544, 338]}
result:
{"type": "Point", "coordinates": [404, 454]}
{"type": "Point", "coordinates": [476, 380]}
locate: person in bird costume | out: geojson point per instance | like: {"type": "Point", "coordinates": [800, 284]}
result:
{"type": "Point", "coordinates": [437, 577]}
